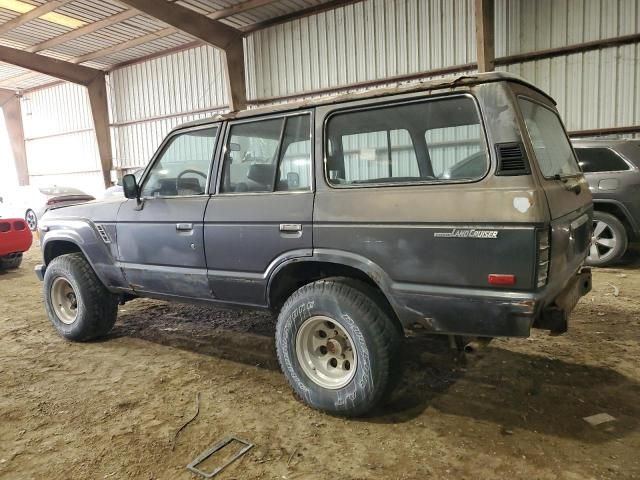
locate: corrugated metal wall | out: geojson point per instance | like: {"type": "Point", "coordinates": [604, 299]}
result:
{"type": "Point", "coordinates": [60, 140]}
{"type": "Point", "coordinates": [149, 99]}
{"type": "Point", "coordinates": [377, 39]}
{"type": "Point", "coordinates": [597, 89]}
{"type": "Point", "coordinates": [364, 41]}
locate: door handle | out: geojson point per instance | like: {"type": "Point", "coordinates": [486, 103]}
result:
{"type": "Point", "coordinates": [290, 227]}
{"type": "Point", "coordinates": [184, 227]}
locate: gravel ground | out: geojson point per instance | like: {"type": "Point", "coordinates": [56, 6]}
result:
{"type": "Point", "coordinates": [110, 409]}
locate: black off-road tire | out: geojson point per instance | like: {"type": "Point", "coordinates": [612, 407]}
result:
{"type": "Point", "coordinates": [10, 262]}
{"type": "Point", "coordinates": [622, 240]}
{"type": "Point", "coordinates": [376, 340]}
{"type": "Point", "coordinates": [97, 308]}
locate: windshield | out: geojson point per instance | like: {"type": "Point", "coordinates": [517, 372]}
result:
{"type": "Point", "coordinates": [553, 150]}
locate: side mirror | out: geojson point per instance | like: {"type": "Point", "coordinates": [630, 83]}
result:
{"type": "Point", "coordinates": [130, 186]}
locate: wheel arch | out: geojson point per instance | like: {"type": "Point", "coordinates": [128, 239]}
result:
{"type": "Point", "coordinates": [619, 211]}
{"type": "Point", "coordinates": [57, 247]}
{"type": "Point", "coordinates": [63, 245]}
{"type": "Point", "coordinates": [295, 273]}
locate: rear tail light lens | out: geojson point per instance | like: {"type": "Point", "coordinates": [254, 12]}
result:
{"type": "Point", "coordinates": [543, 242]}
{"type": "Point", "coordinates": [5, 227]}
{"type": "Point", "coordinates": [53, 201]}
{"type": "Point", "coordinates": [19, 225]}
{"type": "Point", "coordinates": [501, 279]}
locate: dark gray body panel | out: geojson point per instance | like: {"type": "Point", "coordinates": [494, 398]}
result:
{"type": "Point", "coordinates": [395, 235]}
{"type": "Point", "coordinates": [619, 188]}
{"type": "Point", "coordinates": [244, 244]}
{"type": "Point", "coordinates": [155, 254]}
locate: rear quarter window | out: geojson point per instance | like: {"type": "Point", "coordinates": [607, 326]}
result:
{"type": "Point", "coordinates": [435, 140]}
{"type": "Point", "coordinates": [550, 143]}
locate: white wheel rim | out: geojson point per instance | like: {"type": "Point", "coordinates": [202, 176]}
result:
{"type": "Point", "coordinates": [603, 241]}
{"type": "Point", "coordinates": [326, 353]}
{"type": "Point", "coordinates": [64, 300]}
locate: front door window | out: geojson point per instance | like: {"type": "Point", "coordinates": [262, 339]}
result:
{"type": "Point", "coordinates": [183, 166]}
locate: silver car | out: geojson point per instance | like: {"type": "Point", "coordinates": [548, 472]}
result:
{"type": "Point", "coordinates": [31, 202]}
{"type": "Point", "coordinates": [612, 168]}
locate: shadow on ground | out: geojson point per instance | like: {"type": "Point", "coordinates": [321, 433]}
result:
{"type": "Point", "coordinates": [511, 389]}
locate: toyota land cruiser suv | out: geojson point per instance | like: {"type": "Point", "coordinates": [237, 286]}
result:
{"type": "Point", "coordinates": [453, 206]}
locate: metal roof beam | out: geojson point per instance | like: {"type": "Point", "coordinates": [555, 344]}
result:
{"type": "Point", "coordinates": [97, 90]}
{"type": "Point", "coordinates": [49, 66]}
{"type": "Point", "coordinates": [213, 32]}
{"type": "Point", "coordinates": [305, 12]}
{"type": "Point", "coordinates": [32, 15]}
{"type": "Point", "coordinates": [11, 109]}
{"type": "Point", "coordinates": [485, 45]}
{"type": "Point", "coordinates": [165, 32]}
{"type": "Point", "coordinates": [238, 8]}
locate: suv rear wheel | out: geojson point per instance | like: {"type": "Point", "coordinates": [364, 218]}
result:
{"type": "Point", "coordinates": [78, 304]}
{"type": "Point", "coordinates": [337, 347]}
{"type": "Point", "coordinates": [609, 241]}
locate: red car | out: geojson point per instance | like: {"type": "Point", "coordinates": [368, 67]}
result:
{"type": "Point", "coordinates": [15, 238]}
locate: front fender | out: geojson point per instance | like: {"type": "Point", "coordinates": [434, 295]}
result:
{"type": "Point", "coordinates": [83, 234]}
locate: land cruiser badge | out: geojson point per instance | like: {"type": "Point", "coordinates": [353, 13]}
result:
{"type": "Point", "coordinates": [467, 233]}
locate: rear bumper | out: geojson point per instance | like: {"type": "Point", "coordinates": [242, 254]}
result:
{"type": "Point", "coordinates": [14, 240]}
{"type": "Point", "coordinates": [479, 312]}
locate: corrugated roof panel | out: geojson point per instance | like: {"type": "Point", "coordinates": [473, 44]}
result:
{"type": "Point", "coordinates": [90, 10]}
{"type": "Point", "coordinates": [35, 31]}
{"type": "Point", "coordinates": [150, 48]}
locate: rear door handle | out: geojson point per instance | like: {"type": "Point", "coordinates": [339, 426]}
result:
{"type": "Point", "coordinates": [290, 227]}
{"type": "Point", "coordinates": [184, 227]}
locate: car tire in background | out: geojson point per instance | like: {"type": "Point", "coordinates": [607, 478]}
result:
{"type": "Point", "coordinates": [609, 241]}
{"type": "Point", "coordinates": [32, 220]}
{"type": "Point", "coordinates": [337, 347]}
{"type": "Point", "coordinates": [77, 303]}
{"type": "Point", "coordinates": [10, 262]}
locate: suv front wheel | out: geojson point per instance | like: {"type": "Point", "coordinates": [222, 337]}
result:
{"type": "Point", "coordinates": [337, 347]}
{"type": "Point", "coordinates": [78, 304]}
{"type": "Point", "coordinates": [609, 241]}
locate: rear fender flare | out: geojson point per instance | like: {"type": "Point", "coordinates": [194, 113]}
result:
{"type": "Point", "coordinates": [340, 257]}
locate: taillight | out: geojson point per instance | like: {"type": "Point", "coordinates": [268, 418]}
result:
{"type": "Point", "coordinates": [54, 200]}
{"type": "Point", "coordinates": [19, 225]}
{"type": "Point", "coordinates": [5, 227]}
{"type": "Point", "coordinates": [501, 279]}
{"type": "Point", "coordinates": [543, 240]}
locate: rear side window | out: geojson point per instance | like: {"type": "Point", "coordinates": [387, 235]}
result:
{"type": "Point", "coordinates": [434, 140]}
{"type": "Point", "coordinates": [550, 143]}
{"type": "Point", "coordinates": [597, 159]}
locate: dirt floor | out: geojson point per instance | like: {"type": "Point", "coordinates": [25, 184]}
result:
{"type": "Point", "coordinates": [110, 409]}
